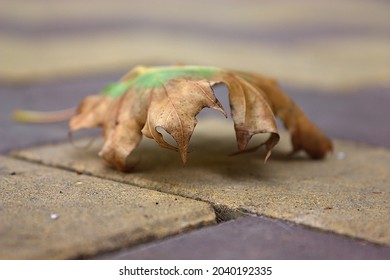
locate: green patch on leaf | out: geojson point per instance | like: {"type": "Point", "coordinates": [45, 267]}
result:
{"type": "Point", "coordinates": [158, 76]}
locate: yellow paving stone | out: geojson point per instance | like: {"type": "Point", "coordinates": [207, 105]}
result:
{"type": "Point", "coordinates": [48, 213]}
{"type": "Point", "coordinates": [348, 193]}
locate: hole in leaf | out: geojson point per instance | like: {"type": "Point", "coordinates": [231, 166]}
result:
{"type": "Point", "coordinates": [222, 95]}
{"type": "Point", "coordinates": [167, 137]}
{"type": "Point", "coordinates": [258, 139]}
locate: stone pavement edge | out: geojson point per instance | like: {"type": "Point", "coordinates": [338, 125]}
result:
{"type": "Point", "coordinates": [254, 237]}
{"type": "Point", "coordinates": [48, 213]}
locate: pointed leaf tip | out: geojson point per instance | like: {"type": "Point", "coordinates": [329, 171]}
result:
{"type": "Point", "coordinates": [184, 154]}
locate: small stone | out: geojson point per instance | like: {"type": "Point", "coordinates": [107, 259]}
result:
{"type": "Point", "coordinates": [54, 216]}
{"type": "Point", "coordinates": [79, 183]}
{"type": "Point", "coordinates": [340, 155]}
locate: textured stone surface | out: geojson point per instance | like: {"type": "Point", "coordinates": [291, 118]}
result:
{"type": "Point", "coordinates": [255, 238]}
{"type": "Point", "coordinates": [347, 193]}
{"type": "Point", "coordinates": [47, 213]}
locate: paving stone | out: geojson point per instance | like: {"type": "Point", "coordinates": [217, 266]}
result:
{"type": "Point", "coordinates": [255, 238]}
{"type": "Point", "coordinates": [48, 213]}
{"type": "Point", "coordinates": [348, 193]}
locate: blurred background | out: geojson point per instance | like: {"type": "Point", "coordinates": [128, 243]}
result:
{"type": "Point", "coordinates": [344, 43]}
{"type": "Point", "coordinates": [52, 53]}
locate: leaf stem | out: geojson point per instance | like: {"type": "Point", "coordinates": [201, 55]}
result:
{"type": "Point", "coordinates": [27, 116]}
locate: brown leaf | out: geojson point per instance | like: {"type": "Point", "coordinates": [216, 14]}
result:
{"type": "Point", "coordinates": [305, 135]}
{"type": "Point", "coordinates": [174, 108]}
{"type": "Point", "coordinates": [251, 112]}
{"type": "Point", "coordinates": [169, 98]}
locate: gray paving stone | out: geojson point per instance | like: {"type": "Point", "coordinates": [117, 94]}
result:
{"type": "Point", "coordinates": [347, 193]}
{"type": "Point", "coordinates": [255, 238]}
{"type": "Point", "coordinates": [48, 213]}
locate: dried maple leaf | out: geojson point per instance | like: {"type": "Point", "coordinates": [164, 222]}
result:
{"type": "Point", "coordinates": [170, 98]}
